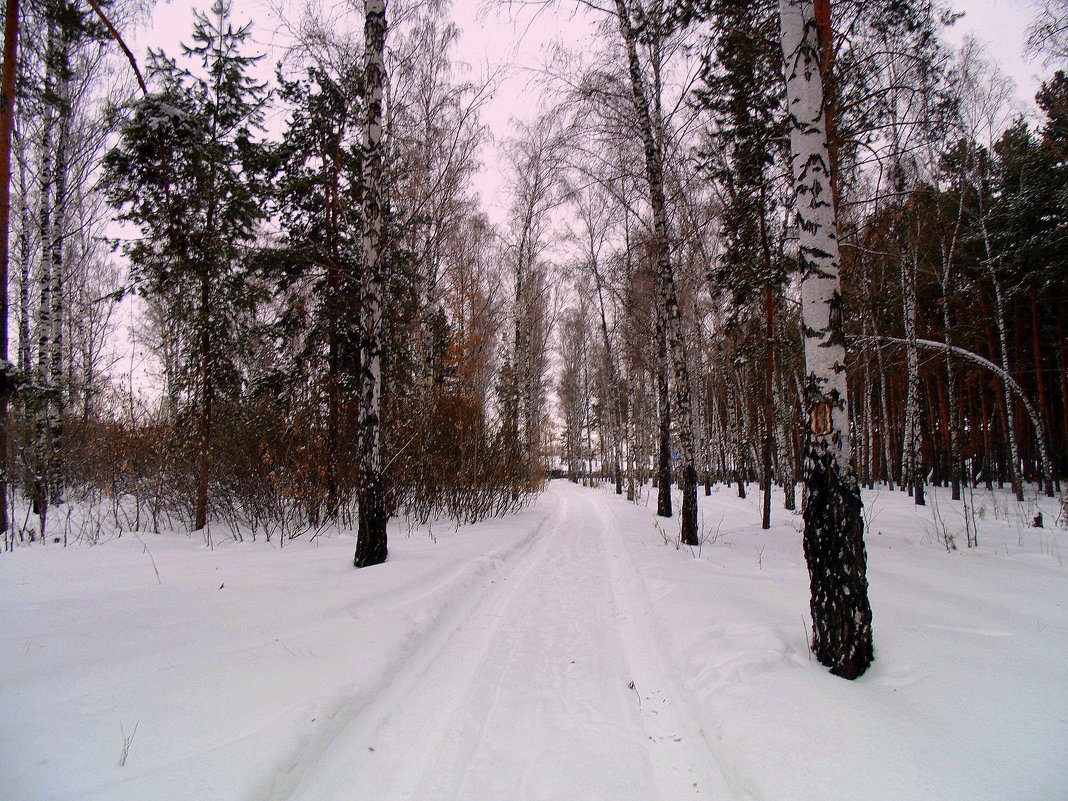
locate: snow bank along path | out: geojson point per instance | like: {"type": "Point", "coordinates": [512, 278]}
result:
{"type": "Point", "coordinates": [494, 662]}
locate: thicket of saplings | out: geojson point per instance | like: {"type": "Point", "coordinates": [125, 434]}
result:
{"type": "Point", "coordinates": [273, 474]}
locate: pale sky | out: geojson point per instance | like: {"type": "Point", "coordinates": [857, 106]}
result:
{"type": "Point", "coordinates": [494, 35]}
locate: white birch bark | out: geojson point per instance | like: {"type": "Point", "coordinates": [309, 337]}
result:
{"type": "Point", "coordinates": [57, 314]}
{"type": "Point", "coordinates": [834, 526]}
{"type": "Point", "coordinates": [371, 546]}
{"type": "Point", "coordinates": [911, 469]}
{"type": "Point", "coordinates": [43, 328]}
{"type": "Point", "coordinates": [668, 304]}
{"type": "Point", "coordinates": [820, 255]}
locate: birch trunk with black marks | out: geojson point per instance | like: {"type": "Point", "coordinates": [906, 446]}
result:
{"type": "Point", "coordinates": [668, 304]}
{"type": "Point", "coordinates": [42, 450]}
{"type": "Point", "coordinates": [911, 458]}
{"type": "Point", "coordinates": [371, 546]}
{"type": "Point", "coordinates": [1003, 351]}
{"type": "Point", "coordinates": [57, 292]}
{"type": "Point", "coordinates": [834, 525]}
{"type": "Point", "coordinates": [7, 115]}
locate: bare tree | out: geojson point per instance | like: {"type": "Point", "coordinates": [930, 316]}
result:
{"type": "Point", "coordinates": [651, 124]}
{"type": "Point", "coordinates": [1047, 36]}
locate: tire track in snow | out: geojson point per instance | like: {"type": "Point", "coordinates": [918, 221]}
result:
{"type": "Point", "coordinates": [522, 692]}
{"type": "Point", "coordinates": [349, 706]}
{"type": "Point", "coordinates": [669, 710]}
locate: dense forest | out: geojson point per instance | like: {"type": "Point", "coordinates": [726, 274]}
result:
{"type": "Point", "coordinates": [342, 334]}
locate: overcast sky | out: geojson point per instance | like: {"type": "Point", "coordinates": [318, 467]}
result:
{"type": "Point", "coordinates": [494, 37]}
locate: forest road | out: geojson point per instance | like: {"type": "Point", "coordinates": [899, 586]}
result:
{"type": "Point", "coordinates": [550, 684]}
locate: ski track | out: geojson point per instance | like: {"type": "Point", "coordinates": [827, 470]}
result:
{"type": "Point", "coordinates": [522, 692]}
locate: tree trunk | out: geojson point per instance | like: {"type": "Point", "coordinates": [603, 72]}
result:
{"type": "Point", "coordinates": [57, 250]}
{"type": "Point", "coordinates": [1040, 383]}
{"type": "Point", "coordinates": [912, 460]}
{"type": "Point", "coordinates": [767, 457]}
{"type": "Point", "coordinates": [1003, 346]}
{"type": "Point", "coordinates": [663, 464]}
{"type": "Point", "coordinates": [7, 113]}
{"type": "Point", "coordinates": [371, 546]}
{"type": "Point", "coordinates": [664, 278]}
{"type": "Point", "coordinates": [207, 402]}
{"type": "Point", "coordinates": [46, 192]}
{"type": "Point", "coordinates": [834, 525]}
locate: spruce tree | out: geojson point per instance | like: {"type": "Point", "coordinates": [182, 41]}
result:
{"type": "Point", "coordinates": [188, 172]}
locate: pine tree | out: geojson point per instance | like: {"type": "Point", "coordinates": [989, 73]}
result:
{"type": "Point", "coordinates": [317, 194]}
{"type": "Point", "coordinates": [743, 91]}
{"type": "Point", "coordinates": [188, 171]}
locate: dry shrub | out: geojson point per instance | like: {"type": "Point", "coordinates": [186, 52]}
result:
{"type": "Point", "coordinates": [448, 463]}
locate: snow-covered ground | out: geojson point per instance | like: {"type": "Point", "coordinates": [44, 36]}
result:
{"type": "Point", "coordinates": [569, 653]}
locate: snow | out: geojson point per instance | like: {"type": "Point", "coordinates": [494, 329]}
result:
{"type": "Point", "coordinates": [569, 652]}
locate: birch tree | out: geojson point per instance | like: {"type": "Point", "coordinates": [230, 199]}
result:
{"type": "Point", "coordinates": [371, 546]}
{"type": "Point", "coordinates": [7, 113]}
{"type": "Point", "coordinates": [650, 123]}
{"type": "Point", "coordinates": [834, 526]}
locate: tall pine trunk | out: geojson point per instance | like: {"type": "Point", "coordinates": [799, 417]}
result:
{"type": "Point", "coordinates": [834, 526]}
{"type": "Point", "coordinates": [371, 533]}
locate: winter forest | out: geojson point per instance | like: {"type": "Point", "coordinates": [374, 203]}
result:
{"type": "Point", "coordinates": [806, 258]}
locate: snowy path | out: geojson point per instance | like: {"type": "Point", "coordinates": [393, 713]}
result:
{"type": "Point", "coordinates": [493, 662]}
{"type": "Point", "coordinates": [524, 692]}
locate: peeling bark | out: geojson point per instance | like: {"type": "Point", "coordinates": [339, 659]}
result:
{"type": "Point", "coordinates": [371, 546]}
{"type": "Point", "coordinates": [834, 526]}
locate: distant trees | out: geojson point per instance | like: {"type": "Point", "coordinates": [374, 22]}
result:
{"type": "Point", "coordinates": [342, 335]}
